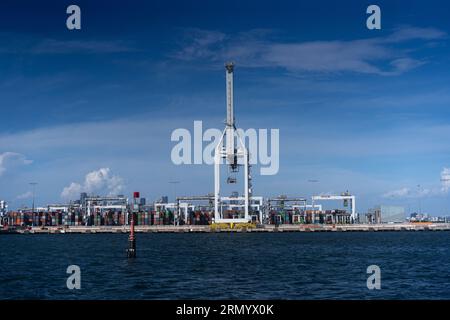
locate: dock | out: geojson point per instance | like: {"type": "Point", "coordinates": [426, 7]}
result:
{"type": "Point", "coordinates": [255, 229]}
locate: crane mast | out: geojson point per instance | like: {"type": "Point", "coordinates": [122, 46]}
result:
{"type": "Point", "coordinates": [236, 155]}
{"type": "Point", "coordinates": [230, 128]}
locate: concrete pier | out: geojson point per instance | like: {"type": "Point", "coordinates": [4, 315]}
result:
{"type": "Point", "coordinates": [259, 228]}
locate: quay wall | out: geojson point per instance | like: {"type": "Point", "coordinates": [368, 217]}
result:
{"type": "Point", "coordinates": [237, 228]}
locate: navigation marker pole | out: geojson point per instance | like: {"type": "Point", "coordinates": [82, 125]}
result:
{"type": "Point", "coordinates": [131, 251]}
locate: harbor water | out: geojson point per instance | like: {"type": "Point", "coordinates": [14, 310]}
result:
{"type": "Point", "coordinates": [414, 265]}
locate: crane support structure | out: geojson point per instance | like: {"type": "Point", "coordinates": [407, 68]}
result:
{"type": "Point", "coordinates": [344, 197]}
{"type": "Point", "coordinates": [234, 155]}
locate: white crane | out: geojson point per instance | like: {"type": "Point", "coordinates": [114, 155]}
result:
{"type": "Point", "coordinates": [345, 197]}
{"type": "Point", "coordinates": [235, 155]}
{"type": "Point", "coordinates": [3, 210]}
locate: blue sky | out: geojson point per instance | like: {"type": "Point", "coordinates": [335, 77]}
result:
{"type": "Point", "coordinates": [359, 110]}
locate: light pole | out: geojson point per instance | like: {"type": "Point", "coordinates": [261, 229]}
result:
{"type": "Point", "coordinates": [420, 201]}
{"type": "Point", "coordinates": [174, 183]}
{"type": "Point", "coordinates": [33, 184]}
{"type": "Point", "coordinates": [446, 182]}
{"type": "Point", "coordinates": [313, 208]}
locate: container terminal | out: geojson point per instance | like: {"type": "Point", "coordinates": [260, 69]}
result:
{"type": "Point", "coordinates": [191, 214]}
{"type": "Point", "coordinates": [238, 211]}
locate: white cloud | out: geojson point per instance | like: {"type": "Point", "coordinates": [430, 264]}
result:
{"type": "Point", "coordinates": [422, 192]}
{"type": "Point", "coordinates": [24, 44]}
{"type": "Point", "coordinates": [26, 195]}
{"type": "Point", "coordinates": [407, 33]}
{"type": "Point", "coordinates": [254, 49]}
{"type": "Point", "coordinates": [12, 159]}
{"type": "Point", "coordinates": [96, 181]}
{"type": "Point", "coordinates": [72, 191]}
{"type": "Point", "coordinates": [399, 193]}
{"type": "Point", "coordinates": [88, 46]}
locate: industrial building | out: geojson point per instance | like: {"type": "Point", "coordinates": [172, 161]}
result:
{"type": "Point", "coordinates": [386, 214]}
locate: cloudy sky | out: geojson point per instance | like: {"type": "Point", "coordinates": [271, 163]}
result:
{"type": "Point", "coordinates": [93, 110]}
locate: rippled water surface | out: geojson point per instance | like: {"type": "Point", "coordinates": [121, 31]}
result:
{"type": "Point", "coordinates": [414, 265]}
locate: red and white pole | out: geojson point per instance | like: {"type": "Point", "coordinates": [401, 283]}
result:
{"type": "Point", "coordinates": [131, 251]}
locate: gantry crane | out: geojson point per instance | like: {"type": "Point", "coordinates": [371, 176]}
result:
{"type": "Point", "coordinates": [344, 196]}
{"type": "Point", "coordinates": [235, 155]}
